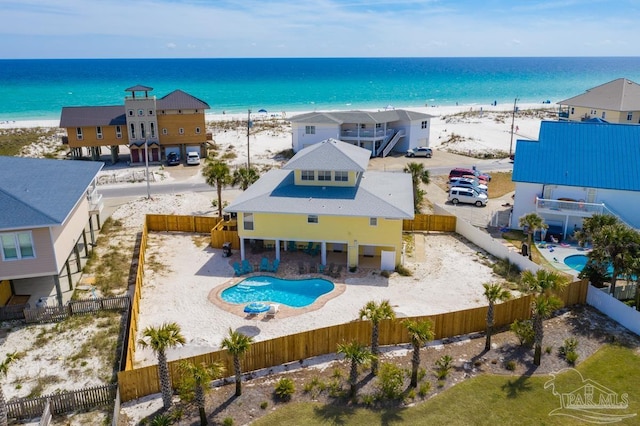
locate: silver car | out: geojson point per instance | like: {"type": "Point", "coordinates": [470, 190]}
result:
{"type": "Point", "coordinates": [421, 151]}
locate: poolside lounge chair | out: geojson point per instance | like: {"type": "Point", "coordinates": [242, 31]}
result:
{"type": "Point", "coordinates": [315, 250]}
{"type": "Point", "coordinates": [320, 268]}
{"type": "Point", "coordinates": [273, 310]}
{"type": "Point", "coordinates": [312, 268]}
{"type": "Point", "coordinates": [246, 267]}
{"type": "Point", "coordinates": [274, 266]}
{"type": "Point", "coordinates": [301, 269]}
{"type": "Point", "coordinates": [264, 265]}
{"type": "Point", "coordinates": [329, 271]}
{"type": "Point", "coordinates": [237, 268]}
{"type": "Point", "coordinates": [291, 246]}
{"type": "Point", "coordinates": [338, 272]}
{"type": "Point", "coordinates": [308, 248]}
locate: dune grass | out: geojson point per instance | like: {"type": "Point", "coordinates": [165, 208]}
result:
{"type": "Point", "coordinates": [485, 400]}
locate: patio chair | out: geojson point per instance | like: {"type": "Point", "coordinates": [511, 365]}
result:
{"type": "Point", "coordinates": [291, 246]}
{"type": "Point", "coordinates": [315, 250]}
{"type": "Point", "coordinates": [274, 266]}
{"type": "Point", "coordinates": [246, 267]}
{"type": "Point", "coordinates": [237, 268]}
{"type": "Point", "coordinates": [329, 271]}
{"type": "Point", "coordinates": [308, 248]}
{"type": "Point", "coordinates": [264, 265]}
{"type": "Point", "coordinates": [320, 268]}
{"type": "Point", "coordinates": [312, 268]}
{"type": "Point", "coordinates": [301, 268]}
{"type": "Point", "coordinates": [273, 310]}
{"type": "Point", "coordinates": [338, 272]}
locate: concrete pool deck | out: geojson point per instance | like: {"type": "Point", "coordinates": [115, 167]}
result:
{"type": "Point", "coordinates": [555, 254]}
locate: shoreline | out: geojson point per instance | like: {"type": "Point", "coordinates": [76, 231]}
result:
{"type": "Point", "coordinates": [435, 110]}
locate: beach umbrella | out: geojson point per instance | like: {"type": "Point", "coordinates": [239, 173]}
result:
{"type": "Point", "coordinates": [263, 111]}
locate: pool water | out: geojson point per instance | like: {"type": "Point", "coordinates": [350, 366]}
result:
{"type": "Point", "coordinates": [294, 293]}
{"type": "Point", "coordinates": [577, 262]}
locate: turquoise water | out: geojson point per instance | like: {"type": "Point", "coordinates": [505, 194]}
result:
{"type": "Point", "coordinates": [38, 89]}
{"type": "Point", "coordinates": [294, 293]}
{"type": "Point", "coordinates": [577, 262]}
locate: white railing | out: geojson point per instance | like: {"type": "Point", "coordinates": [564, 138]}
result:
{"type": "Point", "coordinates": [366, 133]}
{"type": "Point", "coordinates": [576, 208]}
{"type": "Point", "coordinates": [392, 143]}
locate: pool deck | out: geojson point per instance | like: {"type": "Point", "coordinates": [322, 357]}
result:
{"type": "Point", "coordinates": [556, 253]}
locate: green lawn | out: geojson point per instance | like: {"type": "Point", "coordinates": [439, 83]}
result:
{"type": "Point", "coordinates": [487, 400]}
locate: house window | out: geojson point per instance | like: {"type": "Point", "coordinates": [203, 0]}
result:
{"type": "Point", "coordinates": [17, 245]}
{"type": "Point", "coordinates": [363, 126]}
{"type": "Point", "coordinates": [310, 130]}
{"type": "Point", "coordinates": [119, 132]}
{"type": "Point", "coordinates": [130, 113]}
{"type": "Point", "coordinates": [140, 112]}
{"type": "Point", "coordinates": [629, 116]}
{"type": "Point", "coordinates": [99, 132]}
{"type": "Point", "coordinates": [341, 176]}
{"type": "Point", "coordinates": [603, 114]}
{"type": "Point", "coordinates": [248, 221]}
{"type": "Point", "coordinates": [133, 131]}
{"type": "Point", "coordinates": [307, 175]}
{"type": "Point", "coordinates": [142, 132]}
{"type": "Point", "coordinates": [573, 110]}
{"type": "Point", "coordinates": [79, 133]}
{"type": "Point", "coordinates": [150, 112]}
{"type": "Point", "coordinates": [181, 130]}
{"type": "Point", "coordinates": [324, 175]}
{"type": "Point", "coordinates": [425, 124]}
{"type": "Point", "coordinates": [378, 125]}
{"type": "Point", "coordinates": [165, 131]}
{"type": "Point", "coordinates": [153, 129]}
{"type": "Point", "coordinates": [373, 221]}
{"type": "Point", "coordinates": [312, 218]}
{"type": "Point", "coordinates": [197, 130]}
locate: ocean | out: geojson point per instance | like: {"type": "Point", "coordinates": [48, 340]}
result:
{"type": "Point", "coordinates": [38, 89]}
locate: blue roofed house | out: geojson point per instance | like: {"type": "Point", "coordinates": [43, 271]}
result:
{"type": "Point", "coordinates": [326, 201]}
{"type": "Point", "coordinates": [576, 169]}
{"type": "Point", "coordinates": [45, 208]}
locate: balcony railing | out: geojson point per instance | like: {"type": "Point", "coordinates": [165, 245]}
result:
{"type": "Point", "coordinates": [576, 208]}
{"type": "Point", "coordinates": [365, 134]}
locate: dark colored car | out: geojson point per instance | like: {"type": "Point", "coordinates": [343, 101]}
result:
{"type": "Point", "coordinates": [173, 159]}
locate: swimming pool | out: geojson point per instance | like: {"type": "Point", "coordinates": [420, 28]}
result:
{"type": "Point", "coordinates": [577, 262]}
{"type": "Point", "coordinates": [262, 288]}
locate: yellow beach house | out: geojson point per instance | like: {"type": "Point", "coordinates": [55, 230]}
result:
{"type": "Point", "coordinates": [325, 202]}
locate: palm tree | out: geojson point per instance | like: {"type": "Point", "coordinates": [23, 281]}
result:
{"type": "Point", "coordinates": [216, 173]}
{"type": "Point", "coordinates": [612, 245]}
{"type": "Point", "coordinates": [237, 344]}
{"type": "Point", "coordinates": [159, 339]}
{"type": "Point", "coordinates": [420, 332]}
{"type": "Point", "coordinates": [245, 177]}
{"type": "Point", "coordinates": [532, 222]}
{"type": "Point", "coordinates": [592, 225]}
{"type": "Point", "coordinates": [543, 284]}
{"type": "Point", "coordinates": [418, 174]}
{"type": "Point", "coordinates": [4, 368]}
{"type": "Point", "coordinates": [201, 375]}
{"type": "Point", "coordinates": [357, 354]}
{"type": "Point", "coordinates": [493, 292]}
{"type": "Point", "coordinates": [376, 312]}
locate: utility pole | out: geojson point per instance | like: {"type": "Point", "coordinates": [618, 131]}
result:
{"type": "Point", "coordinates": [248, 141]}
{"type": "Point", "coordinates": [513, 119]}
{"type": "Point", "coordinates": [146, 165]}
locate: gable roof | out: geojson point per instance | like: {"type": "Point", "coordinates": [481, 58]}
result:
{"type": "Point", "coordinates": [330, 154]}
{"type": "Point", "coordinates": [594, 155]}
{"type": "Point", "coordinates": [85, 116]}
{"type": "Point", "coordinates": [372, 117]}
{"type": "Point", "coordinates": [180, 100]}
{"type": "Point", "coordinates": [38, 193]}
{"type": "Point", "coordinates": [617, 95]}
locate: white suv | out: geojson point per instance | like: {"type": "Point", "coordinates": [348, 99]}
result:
{"type": "Point", "coordinates": [468, 183]}
{"type": "Point", "coordinates": [193, 158]}
{"type": "Point", "coordinates": [467, 195]}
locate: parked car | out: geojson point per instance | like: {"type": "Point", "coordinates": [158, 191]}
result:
{"type": "Point", "coordinates": [421, 151]}
{"type": "Point", "coordinates": [468, 183]}
{"type": "Point", "coordinates": [193, 158]}
{"type": "Point", "coordinates": [468, 196]}
{"type": "Point", "coordinates": [460, 172]}
{"type": "Point", "coordinates": [173, 159]}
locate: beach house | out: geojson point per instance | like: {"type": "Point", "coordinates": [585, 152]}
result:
{"type": "Point", "coordinates": [49, 213]}
{"type": "Point", "coordinates": [617, 101]}
{"type": "Point", "coordinates": [144, 124]}
{"type": "Point", "coordinates": [324, 201]}
{"type": "Point", "coordinates": [575, 170]}
{"type": "Point", "coordinates": [380, 132]}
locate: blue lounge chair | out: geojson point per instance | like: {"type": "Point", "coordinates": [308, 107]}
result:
{"type": "Point", "coordinates": [315, 250]}
{"type": "Point", "coordinates": [320, 268]}
{"type": "Point", "coordinates": [264, 265]}
{"type": "Point", "coordinates": [291, 246]}
{"type": "Point", "coordinates": [274, 267]}
{"type": "Point", "coordinates": [237, 268]}
{"type": "Point", "coordinates": [246, 267]}
{"type": "Point", "coordinates": [309, 248]}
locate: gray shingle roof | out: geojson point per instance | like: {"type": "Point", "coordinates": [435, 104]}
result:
{"type": "Point", "coordinates": [92, 116]}
{"type": "Point", "coordinates": [617, 95]}
{"type": "Point", "coordinates": [341, 117]}
{"type": "Point", "coordinates": [377, 194]}
{"type": "Point", "coordinates": [138, 88]}
{"type": "Point", "coordinates": [38, 193]}
{"type": "Point", "coordinates": [330, 154]}
{"type": "Point", "coordinates": [180, 100]}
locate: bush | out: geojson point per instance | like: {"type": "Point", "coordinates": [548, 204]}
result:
{"type": "Point", "coordinates": [390, 380]}
{"type": "Point", "coordinates": [571, 357]}
{"type": "Point", "coordinates": [285, 388]}
{"type": "Point", "coordinates": [161, 420]}
{"type": "Point", "coordinates": [264, 405]}
{"type": "Point", "coordinates": [368, 399]}
{"type": "Point", "coordinates": [510, 365]}
{"type": "Point", "coordinates": [403, 270]}
{"type": "Point", "coordinates": [424, 389]}
{"type": "Point", "coordinates": [228, 421]}
{"type": "Point", "coordinates": [568, 346]}
{"type": "Point", "coordinates": [443, 366]}
{"type": "Point", "coordinates": [523, 330]}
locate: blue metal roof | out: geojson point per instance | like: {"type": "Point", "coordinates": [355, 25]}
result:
{"type": "Point", "coordinates": [594, 155]}
{"type": "Point", "coordinates": [39, 193]}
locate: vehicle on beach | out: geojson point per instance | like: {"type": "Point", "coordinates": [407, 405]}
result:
{"type": "Point", "coordinates": [173, 159]}
{"type": "Point", "coordinates": [421, 151]}
{"type": "Point", "coordinates": [468, 183]}
{"type": "Point", "coordinates": [193, 158]}
{"type": "Point", "coordinates": [467, 196]}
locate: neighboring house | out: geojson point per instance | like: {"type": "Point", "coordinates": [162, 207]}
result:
{"type": "Point", "coordinates": [575, 170]}
{"type": "Point", "coordinates": [617, 101]}
{"type": "Point", "coordinates": [323, 199]}
{"type": "Point", "coordinates": [45, 208]}
{"type": "Point", "coordinates": [173, 123]}
{"type": "Point", "coordinates": [380, 132]}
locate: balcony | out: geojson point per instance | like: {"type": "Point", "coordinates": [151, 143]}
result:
{"type": "Point", "coordinates": [569, 207]}
{"type": "Point", "coordinates": [364, 135]}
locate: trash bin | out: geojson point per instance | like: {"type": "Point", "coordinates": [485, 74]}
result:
{"type": "Point", "coordinates": [226, 249]}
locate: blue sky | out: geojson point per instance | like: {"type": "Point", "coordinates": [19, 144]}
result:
{"type": "Point", "coordinates": [317, 28]}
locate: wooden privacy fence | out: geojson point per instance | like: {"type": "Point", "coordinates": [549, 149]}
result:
{"type": "Point", "coordinates": [430, 222]}
{"type": "Point", "coordinates": [135, 303]}
{"type": "Point", "coordinates": [63, 402]}
{"type": "Point", "coordinates": [281, 350]}
{"type": "Point", "coordinates": [178, 223]}
{"type": "Point", "coordinates": [75, 307]}
{"type": "Point", "coordinates": [13, 312]}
